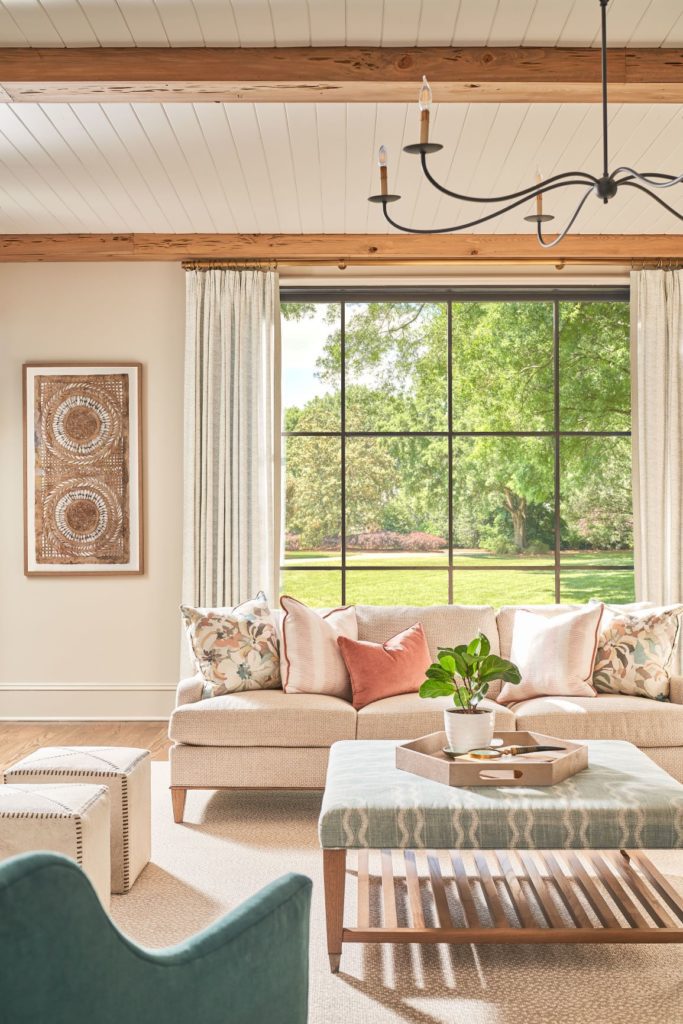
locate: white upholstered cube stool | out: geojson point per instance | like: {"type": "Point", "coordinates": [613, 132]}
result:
{"type": "Point", "coordinates": [63, 818]}
{"type": "Point", "coordinates": [126, 773]}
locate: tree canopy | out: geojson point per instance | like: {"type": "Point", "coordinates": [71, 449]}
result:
{"type": "Point", "coordinates": [397, 375]}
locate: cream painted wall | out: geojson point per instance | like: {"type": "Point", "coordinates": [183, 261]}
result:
{"type": "Point", "coordinates": [101, 647]}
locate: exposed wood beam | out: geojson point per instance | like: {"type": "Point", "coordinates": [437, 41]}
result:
{"type": "Point", "coordinates": [340, 74]}
{"type": "Point", "coordinates": [336, 249]}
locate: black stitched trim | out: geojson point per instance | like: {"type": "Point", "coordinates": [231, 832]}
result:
{"type": "Point", "coordinates": [126, 844]}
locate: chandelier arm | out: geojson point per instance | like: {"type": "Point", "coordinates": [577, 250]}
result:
{"type": "Point", "coordinates": [479, 220]}
{"type": "Point", "coordinates": [646, 178]}
{"type": "Point", "coordinates": [529, 193]}
{"type": "Point", "coordinates": [641, 188]}
{"type": "Point", "coordinates": [565, 231]}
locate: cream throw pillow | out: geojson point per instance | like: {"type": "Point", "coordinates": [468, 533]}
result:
{"type": "Point", "coordinates": [555, 656]}
{"type": "Point", "coordinates": [311, 659]}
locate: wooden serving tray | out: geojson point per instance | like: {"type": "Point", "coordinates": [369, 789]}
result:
{"type": "Point", "coordinates": [425, 756]}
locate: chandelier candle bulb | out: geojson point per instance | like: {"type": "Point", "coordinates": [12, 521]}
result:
{"type": "Point", "coordinates": [424, 103]}
{"type": "Point", "coordinates": [539, 197]}
{"type": "Point", "coordinates": [382, 161]}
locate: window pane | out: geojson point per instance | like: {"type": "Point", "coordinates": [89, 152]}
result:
{"type": "Point", "coordinates": [401, 587]}
{"type": "Point", "coordinates": [596, 505]}
{"type": "Point", "coordinates": [498, 588]}
{"type": "Point", "coordinates": [503, 366]}
{"type": "Point", "coordinates": [503, 500]}
{"type": "Point", "coordinates": [311, 373]}
{"type": "Point", "coordinates": [613, 587]}
{"type": "Point", "coordinates": [396, 366]}
{"type": "Point", "coordinates": [595, 380]}
{"type": "Point", "coordinates": [312, 499]}
{"type": "Point", "coordinates": [397, 500]}
{"type": "Point", "coordinates": [317, 589]}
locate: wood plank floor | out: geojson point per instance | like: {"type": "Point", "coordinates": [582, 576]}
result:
{"type": "Point", "coordinates": [19, 738]}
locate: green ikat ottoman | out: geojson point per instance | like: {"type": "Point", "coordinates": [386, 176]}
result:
{"type": "Point", "coordinates": [623, 799]}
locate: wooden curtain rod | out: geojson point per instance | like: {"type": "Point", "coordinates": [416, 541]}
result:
{"type": "Point", "coordinates": [346, 263]}
{"type": "Point", "coordinates": [230, 264]}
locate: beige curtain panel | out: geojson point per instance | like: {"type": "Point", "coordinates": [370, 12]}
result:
{"type": "Point", "coordinates": [231, 542]}
{"type": "Point", "coordinates": [657, 376]}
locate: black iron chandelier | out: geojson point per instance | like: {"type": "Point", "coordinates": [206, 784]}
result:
{"type": "Point", "coordinates": [604, 187]}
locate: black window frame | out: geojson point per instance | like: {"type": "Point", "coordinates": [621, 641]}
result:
{"type": "Point", "coordinates": [450, 295]}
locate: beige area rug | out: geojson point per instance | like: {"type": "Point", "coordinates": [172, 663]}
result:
{"type": "Point", "coordinates": [234, 843]}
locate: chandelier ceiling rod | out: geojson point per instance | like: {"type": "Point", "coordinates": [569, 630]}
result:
{"type": "Point", "coordinates": [605, 187]}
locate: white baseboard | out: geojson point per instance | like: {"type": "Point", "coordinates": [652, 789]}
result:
{"type": "Point", "coordinates": [86, 702]}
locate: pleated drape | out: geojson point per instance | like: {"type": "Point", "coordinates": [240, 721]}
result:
{"type": "Point", "coordinates": [231, 517]}
{"type": "Point", "coordinates": [657, 389]}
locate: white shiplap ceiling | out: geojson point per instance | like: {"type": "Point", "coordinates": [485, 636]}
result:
{"type": "Point", "coordinates": [302, 167]}
{"type": "Point", "coordinates": [336, 22]}
{"type": "Point", "coordinates": [306, 167]}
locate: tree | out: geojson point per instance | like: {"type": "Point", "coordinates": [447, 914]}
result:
{"type": "Point", "coordinates": [503, 374]}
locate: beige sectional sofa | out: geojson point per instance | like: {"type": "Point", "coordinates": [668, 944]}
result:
{"type": "Point", "coordinates": [268, 739]}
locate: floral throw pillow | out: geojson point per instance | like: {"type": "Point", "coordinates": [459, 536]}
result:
{"type": "Point", "coordinates": [234, 648]}
{"type": "Point", "coordinates": [635, 650]}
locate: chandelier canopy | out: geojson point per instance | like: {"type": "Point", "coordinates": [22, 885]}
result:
{"type": "Point", "coordinates": [605, 187]}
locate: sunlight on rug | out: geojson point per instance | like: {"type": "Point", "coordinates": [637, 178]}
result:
{"type": "Point", "coordinates": [232, 844]}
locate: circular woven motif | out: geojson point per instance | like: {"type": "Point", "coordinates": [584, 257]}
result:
{"type": "Point", "coordinates": [83, 424]}
{"type": "Point", "coordinates": [82, 517]}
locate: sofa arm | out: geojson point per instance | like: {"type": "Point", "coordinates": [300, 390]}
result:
{"type": "Point", "coordinates": [189, 690]}
{"type": "Point", "coordinates": [676, 692]}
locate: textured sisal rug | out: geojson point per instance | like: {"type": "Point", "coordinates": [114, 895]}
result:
{"type": "Point", "coordinates": [234, 843]}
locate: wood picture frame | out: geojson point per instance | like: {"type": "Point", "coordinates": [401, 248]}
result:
{"type": "Point", "coordinates": [83, 493]}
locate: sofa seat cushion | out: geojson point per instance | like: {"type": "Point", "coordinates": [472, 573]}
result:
{"type": "Point", "coordinates": [408, 716]}
{"type": "Point", "coordinates": [264, 718]}
{"type": "Point", "coordinates": [647, 723]}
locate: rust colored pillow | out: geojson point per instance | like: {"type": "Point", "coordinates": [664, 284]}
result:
{"type": "Point", "coordinates": [385, 670]}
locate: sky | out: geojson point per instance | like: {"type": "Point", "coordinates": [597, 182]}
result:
{"type": "Point", "coordinates": [302, 343]}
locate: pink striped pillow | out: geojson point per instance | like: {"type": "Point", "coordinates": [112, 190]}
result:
{"type": "Point", "coordinates": [311, 661]}
{"type": "Point", "coordinates": [555, 655]}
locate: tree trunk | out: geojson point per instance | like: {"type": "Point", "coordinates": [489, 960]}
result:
{"type": "Point", "coordinates": [516, 506]}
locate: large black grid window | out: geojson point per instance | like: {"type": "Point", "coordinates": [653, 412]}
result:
{"type": "Point", "coordinates": [462, 447]}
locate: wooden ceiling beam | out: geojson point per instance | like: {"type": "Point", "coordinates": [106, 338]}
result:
{"type": "Point", "coordinates": [339, 74]}
{"type": "Point", "coordinates": [340, 249]}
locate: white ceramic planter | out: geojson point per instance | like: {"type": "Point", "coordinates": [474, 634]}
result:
{"type": "Point", "coordinates": [466, 731]}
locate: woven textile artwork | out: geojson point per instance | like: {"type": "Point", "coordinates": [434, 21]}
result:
{"type": "Point", "coordinates": [80, 462]}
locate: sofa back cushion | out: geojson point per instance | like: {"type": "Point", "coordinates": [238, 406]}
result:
{"type": "Point", "coordinates": [444, 625]}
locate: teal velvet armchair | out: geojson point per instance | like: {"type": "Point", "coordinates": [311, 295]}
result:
{"type": "Point", "coordinates": [62, 961]}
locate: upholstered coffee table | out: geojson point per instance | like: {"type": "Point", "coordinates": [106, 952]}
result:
{"type": "Point", "coordinates": [497, 864]}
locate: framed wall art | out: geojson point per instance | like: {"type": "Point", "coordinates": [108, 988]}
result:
{"type": "Point", "coordinates": [82, 469]}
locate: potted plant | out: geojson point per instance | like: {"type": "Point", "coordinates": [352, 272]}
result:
{"type": "Point", "coordinates": [464, 673]}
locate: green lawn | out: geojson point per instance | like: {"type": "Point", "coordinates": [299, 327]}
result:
{"type": "Point", "coordinates": [430, 585]}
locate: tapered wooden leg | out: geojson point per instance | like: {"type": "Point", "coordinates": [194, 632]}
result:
{"type": "Point", "coordinates": [334, 873]}
{"type": "Point", "coordinates": [178, 797]}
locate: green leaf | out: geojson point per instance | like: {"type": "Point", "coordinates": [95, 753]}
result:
{"type": "Point", "coordinates": [447, 662]}
{"type": "Point", "coordinates": [460, 663]}
{"type": "Point", "coordinates": [485, 645]}
{"type": "Point", "coordinates": [436, 672]}
{"type": "Point", "coordinates": [474, 646]}
{"type": "Point", "coordinates": [462, 697]}
{"type": "Point", "coordinates": [435, 688]}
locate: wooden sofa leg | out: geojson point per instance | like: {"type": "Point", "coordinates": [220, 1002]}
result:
{"type": "Point", "coordinates": [178, 796]}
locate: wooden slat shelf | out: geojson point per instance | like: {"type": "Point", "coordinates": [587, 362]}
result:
{"type": "Point", "coordinates": [513, 896]}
